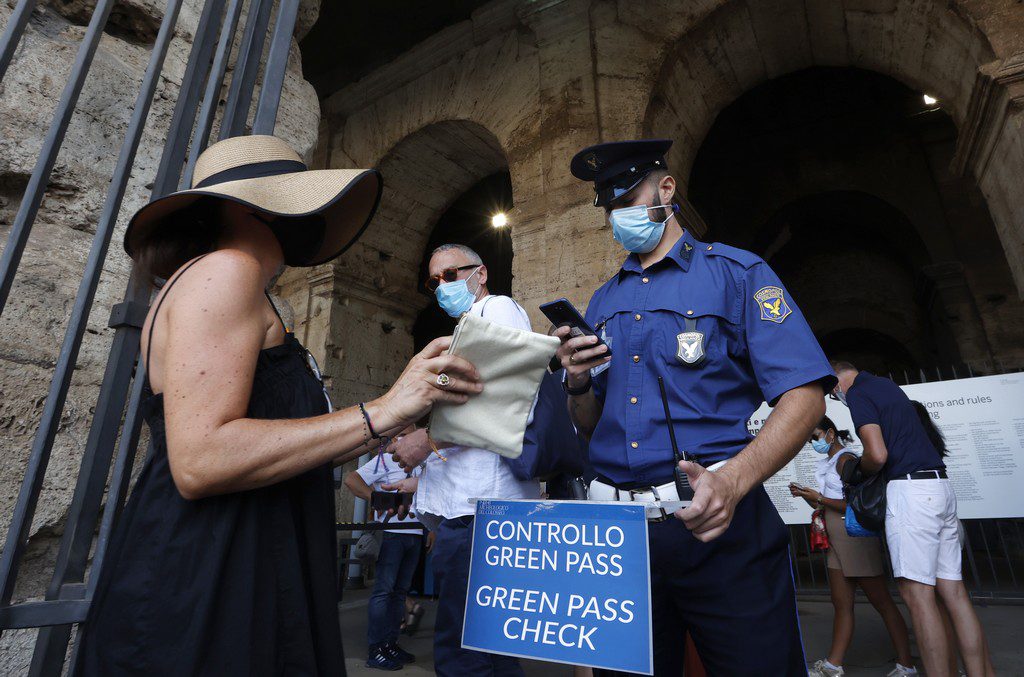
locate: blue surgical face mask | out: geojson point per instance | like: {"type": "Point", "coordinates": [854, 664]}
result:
{"type": "Point", "coordinates": [455, 297]}
{"type": "Point", "coordinates": [821, 446]}
{"type": "Point", "coordinates": [634, 230]}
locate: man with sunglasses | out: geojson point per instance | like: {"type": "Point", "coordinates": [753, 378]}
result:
{"type": "Point", "coordinates": [452, 474]}
{"type": "Point", "coordinates": [716, 325]}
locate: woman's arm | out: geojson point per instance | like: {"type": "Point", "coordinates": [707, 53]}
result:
{"type": "Point", "coordinates": [816, 500]}
{"type": "Point", "coordinates": [213, 334]}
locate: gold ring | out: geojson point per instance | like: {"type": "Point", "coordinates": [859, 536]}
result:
{"type": "Point", "coordinates": [443, 380]}
{"type": "Point", "coordinates": [572, 359]}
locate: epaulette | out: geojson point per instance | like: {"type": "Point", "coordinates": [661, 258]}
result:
{"type": "Point", "coordinates": [740, 256]}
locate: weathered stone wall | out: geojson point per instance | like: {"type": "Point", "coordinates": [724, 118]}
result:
{"type": "Point", "coordinates": [33, 323]}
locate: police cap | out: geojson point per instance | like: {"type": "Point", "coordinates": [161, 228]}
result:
{"type": "Point", "coordinates": [618, 167]}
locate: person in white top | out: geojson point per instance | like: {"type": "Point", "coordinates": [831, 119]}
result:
{"type": "Point", "coordinates": [396, 563]}
{"type": "Point", "coordinates": [453, 475]}
{"type": "Point", "coordinates": [851, 561]}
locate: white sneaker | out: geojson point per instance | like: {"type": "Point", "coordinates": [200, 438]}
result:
{"type": "Point", "coordinates": [900, 671]}
{"type": "Point", "coordinates": [819, 669]}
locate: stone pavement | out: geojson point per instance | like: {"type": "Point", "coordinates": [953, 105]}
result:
{"type": "Point", "coordinates": [871, 654]}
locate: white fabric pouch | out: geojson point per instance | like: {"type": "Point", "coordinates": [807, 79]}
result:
{"type": "Point", "coordinates": [511, 363]}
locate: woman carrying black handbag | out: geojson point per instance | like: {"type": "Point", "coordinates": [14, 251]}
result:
{"type": "Point", "coordinates": [852, 562]}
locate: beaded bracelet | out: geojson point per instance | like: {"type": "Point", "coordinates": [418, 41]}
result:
{"type": "Point", "coordinates": [369, 425]}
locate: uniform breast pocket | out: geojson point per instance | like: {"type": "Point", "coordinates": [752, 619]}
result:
{"type": "Point", "coordinates": [696, 335]}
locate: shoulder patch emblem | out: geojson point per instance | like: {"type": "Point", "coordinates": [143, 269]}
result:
{"type": "Point", "coordinates": [772, 303]}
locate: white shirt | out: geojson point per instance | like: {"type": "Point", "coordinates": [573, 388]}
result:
{"type": "Point", "coordinates": [829, 483]}
{"type": "Point", "coordinates": [445, 487]}
{"type": "Point", "coordinates": [381, 470]}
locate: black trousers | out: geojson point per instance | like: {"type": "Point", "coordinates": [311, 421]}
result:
{"type": "Point", "coordinates": [734, 595]}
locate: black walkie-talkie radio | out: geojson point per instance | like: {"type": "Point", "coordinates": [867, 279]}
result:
{"type": "Point", "coordinates": [683, 487]}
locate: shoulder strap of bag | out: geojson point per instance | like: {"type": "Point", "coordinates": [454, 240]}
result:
{"type": "Point", "coordinates": [493, 296]}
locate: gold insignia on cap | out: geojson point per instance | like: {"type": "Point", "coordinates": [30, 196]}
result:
{"type": "Point", "coordinates": [592, 161]}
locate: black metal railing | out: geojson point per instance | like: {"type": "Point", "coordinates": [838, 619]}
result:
{"type": "Point", "coordinates": [117, 420]}
{"type": "Point", "coordinates": [993, 549]}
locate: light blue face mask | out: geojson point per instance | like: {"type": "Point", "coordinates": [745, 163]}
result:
{"type": "Point", "coordinates": [634, 230]}
{"type": "Point", "coordinates": [821, 446]}
{"type": "Point", "coordinates": [454, 297]}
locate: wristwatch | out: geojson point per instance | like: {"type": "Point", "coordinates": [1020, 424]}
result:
{"type": "Point", "coordinates": [582, 390]}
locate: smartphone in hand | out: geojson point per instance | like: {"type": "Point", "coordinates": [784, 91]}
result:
{"type": "Point", "coordinates": [562, 313]}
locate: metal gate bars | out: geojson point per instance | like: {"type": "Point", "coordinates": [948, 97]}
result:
{"type": "Point", "coordinates": [68, 595]}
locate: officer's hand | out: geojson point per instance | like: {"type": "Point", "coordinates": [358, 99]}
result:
{"type": "Point", "coordinates": [411, 450]}
{"type": "Point", "coordinates": [578, 356]}
{"type": "Point", "coordinates": [714, 501]}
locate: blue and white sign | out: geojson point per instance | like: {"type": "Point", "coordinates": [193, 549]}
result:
{"type": "Point", "coordinates": [561, 581]}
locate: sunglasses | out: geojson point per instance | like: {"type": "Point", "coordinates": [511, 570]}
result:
{"type": "Point", "coordinates": [446, 275]}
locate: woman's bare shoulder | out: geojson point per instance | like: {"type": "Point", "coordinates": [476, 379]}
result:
{"type": "Point", "coordinates": [230, 266]}
{"type": "Point", "coordinates": [227, 281]}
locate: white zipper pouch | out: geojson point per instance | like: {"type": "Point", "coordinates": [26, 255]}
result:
{"type": "Point", "coordinates": [511, 363]}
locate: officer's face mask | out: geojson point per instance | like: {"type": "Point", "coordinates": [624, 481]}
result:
{"type": "Point", "coordinates": [634, 230]}
{"type": "Point", "coordinates": [455, 297]}
{"type": "Point", "coordinates": [821, 446]}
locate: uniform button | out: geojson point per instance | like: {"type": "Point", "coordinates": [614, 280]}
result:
{"type": "Point", "coordinates": [646, 280]}
{"type": "Point", "coordinates": [709, 247]}
{"type": "Point", "coordinates": [632, 400]}
{"type": "Point", "coordinates": [689, 312]}
{"type": "Point", "coordinates": [636, 358]}
{"type": "Point", "coordinates": [637, 317]}
{"type": "Point", "coordinates": [634, 444]}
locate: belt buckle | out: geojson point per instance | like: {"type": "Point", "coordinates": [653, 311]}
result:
{"type": "Point", "coordinates": [664, 515]}
{"type": "Point", "coordinates": [654, 490]}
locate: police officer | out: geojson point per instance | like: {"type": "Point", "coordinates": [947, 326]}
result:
{"type": "Point", "coordinates": [717, 324]}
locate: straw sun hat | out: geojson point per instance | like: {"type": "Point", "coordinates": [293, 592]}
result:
{"type": "Point", "coordinates": [316, 214]}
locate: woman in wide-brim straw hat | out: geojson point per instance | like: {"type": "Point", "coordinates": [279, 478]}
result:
{"type": "Point", "coordinates": [223, 562]}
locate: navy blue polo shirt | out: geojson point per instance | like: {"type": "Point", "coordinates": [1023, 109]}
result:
{"type": "Point", "coordinates": [874, 399]}
{"type": "Point", "coordinates": [717, 324]}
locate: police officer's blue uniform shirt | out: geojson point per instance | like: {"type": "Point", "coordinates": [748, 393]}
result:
{"type": "Point", "coordinates": [756, 343]}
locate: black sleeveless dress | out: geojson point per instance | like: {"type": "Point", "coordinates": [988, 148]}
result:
{"type": "Point", "coordinates": [236, 584]}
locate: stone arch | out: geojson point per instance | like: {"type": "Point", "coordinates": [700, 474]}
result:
{"type": "Point", "coordinates": [857, 151]}
{"type": "Point", "coordinates": [743, 44]}
{"type": "Point", "coordinates": [423, 175]}
{"type": "Point", "coordinates": [930, 46]}
{"type": "Point", "coordinates": [376, 282]}
{"type": "Point", "coordinates": [492, 87]}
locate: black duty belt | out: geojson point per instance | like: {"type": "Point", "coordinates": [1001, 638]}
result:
{"type": "Point", "coordinates": [938, 474]}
